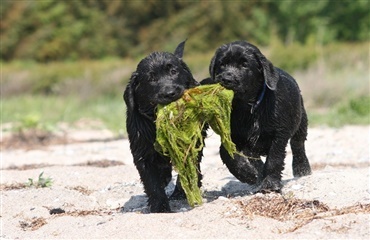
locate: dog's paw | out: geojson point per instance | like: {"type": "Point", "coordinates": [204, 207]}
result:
{"type": "Point", "coordinates": [160, 208]}
{"type": "Point", "coordinates": [301, 171]}
{"type": "Point", "coordinates": [269, 184]}
{"type": "Point", "coordinates": [245, 171]}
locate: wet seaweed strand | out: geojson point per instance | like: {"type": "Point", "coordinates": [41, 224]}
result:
{"type": "Point", "coordinates": [179, 131]}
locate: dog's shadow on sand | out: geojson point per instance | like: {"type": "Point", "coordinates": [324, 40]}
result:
{"type": "Point", "coordinates": [233, 188]}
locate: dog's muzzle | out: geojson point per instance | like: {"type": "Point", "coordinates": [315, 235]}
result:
{"type": "Point", "coordinates": [168, 95]}
{"type": "Point", "coordinates": [228, 80]}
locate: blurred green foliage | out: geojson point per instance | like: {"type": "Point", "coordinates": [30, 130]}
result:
{"type": "Point", "coordinates": [359, 106]}
{"type": "Point", "coordinates": [335, 87]}
{"type": "Point", "coordinates": [51, 30]}
{"type": "Point", "coordinates": [45, 112]}
{"type": "Point", "coordinates": [355, 110]}
{"type": "Point", "coordinates": [86, 79]}
{"type": "Point", "coordinates": [42, 82]}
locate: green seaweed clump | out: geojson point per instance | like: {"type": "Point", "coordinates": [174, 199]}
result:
{"type": "Point", "coordinates": [179, 131]}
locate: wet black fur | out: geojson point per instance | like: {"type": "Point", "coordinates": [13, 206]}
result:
{"type": "Point", "coordinates": [262, 129]}
{"type": "Point", "coordinates": [160, 78]}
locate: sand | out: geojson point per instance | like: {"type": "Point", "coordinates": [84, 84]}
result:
{"type": "Point", "coordinates": [96, 193]}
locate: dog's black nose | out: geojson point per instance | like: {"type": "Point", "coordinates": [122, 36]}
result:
{"type": "Point", "coordinates": [169, 95]}
{"type": "Point", "coordinates": [228, 79]}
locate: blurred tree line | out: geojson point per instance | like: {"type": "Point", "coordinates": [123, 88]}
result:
{"type": "Point", "coordinates": [48, 30]}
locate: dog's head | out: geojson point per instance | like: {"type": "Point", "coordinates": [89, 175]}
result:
{"type": "Point", "coordinates": [160, 78]}
{"type": "Point", "coordinates": [241, 67]}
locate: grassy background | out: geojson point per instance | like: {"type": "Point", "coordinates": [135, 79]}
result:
{"type": "Point", "coordinates": [334, 80]}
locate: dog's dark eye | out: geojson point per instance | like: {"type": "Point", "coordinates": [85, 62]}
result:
{"type": "Point", "coordinates": [245, 64]}
{"type": "Point", "coordinates": [173, 71]}
{"type": "Point", "coordinates": [152, 77]}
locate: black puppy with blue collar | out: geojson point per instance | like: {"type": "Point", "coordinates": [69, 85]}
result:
{"type": "Point", "coordinates": [267, 112]}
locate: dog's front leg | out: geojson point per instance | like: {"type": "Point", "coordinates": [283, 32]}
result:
{"type": "Point", "coordinates": [155, 178]}
{"type": "Point", "coordinates": [274, 166]}
{"type": "Point", "coordinates": [240, 167]}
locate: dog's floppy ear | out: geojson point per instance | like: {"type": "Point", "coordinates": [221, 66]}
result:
{"type": "Point", "coordinates": [128, 95]}
{"type": "Point", "coordinates": [219, 52]}
{"type": "Point", "coordinates": [269, 72]}
{"type": "Point", "coordinates": [212, 66]}
{"type": "Point", "coordinates": [179, 51]}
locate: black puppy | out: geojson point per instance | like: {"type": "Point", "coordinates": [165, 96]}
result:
{"type": "Point", "coordinates": [160, 78]}
{"type": "Point", "coordinates": [267, 112]}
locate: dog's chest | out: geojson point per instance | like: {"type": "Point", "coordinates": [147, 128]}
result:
{"type": "Point", "coordinates": [247, 132]}
{"type": "Point", "coordinates": [244, 126]}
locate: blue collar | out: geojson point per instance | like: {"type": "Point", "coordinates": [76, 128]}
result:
{"type": "Point", "coordinates": [260, 98]}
